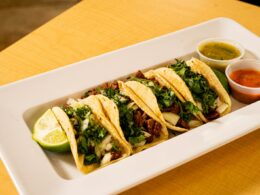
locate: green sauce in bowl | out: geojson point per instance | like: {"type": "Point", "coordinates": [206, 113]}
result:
{"type": "Point", "coordinates": [219, 50]}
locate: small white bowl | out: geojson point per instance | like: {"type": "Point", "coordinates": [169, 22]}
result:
{"type": "Point", "coordinates": [240, 92]}
{"type": "Point", "coordinates": [220, 64]}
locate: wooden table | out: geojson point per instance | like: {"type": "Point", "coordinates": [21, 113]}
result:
{"type": "Point", "coordinates": [94, 27]}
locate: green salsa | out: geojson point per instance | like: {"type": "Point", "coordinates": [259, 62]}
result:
{"type": "Point", "coordinates": [219, 51]}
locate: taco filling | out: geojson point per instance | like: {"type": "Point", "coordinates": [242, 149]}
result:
{"type": "Point", "coordinates": [93, 140]}
{"type": "Point", "coordinates": [206, 98]}
{"type": "Point", "coordinates": [174, 111]}
{"type": "Point", "coordinates": [138, 128]}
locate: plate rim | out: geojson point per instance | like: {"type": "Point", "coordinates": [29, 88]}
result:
{"type": "Point", "coordinates": [60, 182]}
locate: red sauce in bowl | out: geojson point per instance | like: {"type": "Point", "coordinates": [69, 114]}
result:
{"type": "Point", "coordinates": [246, 77]}
{"type": "Point", "coordinates": [245, 98]}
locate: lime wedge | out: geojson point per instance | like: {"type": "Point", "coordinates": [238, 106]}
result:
{"type": "Point", "coordinates": [49, 134]}
{"type": "Point", "coordinates": [223, 79]}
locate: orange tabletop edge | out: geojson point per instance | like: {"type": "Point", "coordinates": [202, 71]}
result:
{"type": "Point", "coordinates": [94, 27]}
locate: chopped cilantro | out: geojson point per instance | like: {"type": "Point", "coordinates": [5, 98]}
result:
{"type": "Point", "coordinates": [90, 159]}
{"type": "Point", "coordinates": [126, 114]}
{"type": "Point", "coordinates": [164, 96]}
{"type": "Point", "coordinates": [115, 148]}
{"type": "Point", "coordinates": [101, 133]}
{"type": "Point", "coordinates": [127, 122]}
{"type": "Point", "coordinates": [189, 106]}
{"type": "Point", "coordinates": [82, 145]}
{"type": "Point", "coordinates": [91, 135]}
{"type": "Point", "coordinates": [115, 95]}
{"type": "Point", "coordinates": [223, 79]}
{"type": "Point", "coordinates": [68, 110]}
{"type": "Point", "coordinates": [82, 112]}
{"type": "Point", "coordinates": [135, 140]}
{"type": "Point", "coordinates": [198, 85]}
{"type": "Point", "coordinates": [188, 110]}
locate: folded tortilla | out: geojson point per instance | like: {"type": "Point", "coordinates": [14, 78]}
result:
{"type": "Point", "coordinates": [112, 114]}
{"type": "Point", "coordinates": [145, 99]}
{"type": "Point", "coordinates": [178, 87]}
{"type": "Point", "coordinates": [96, 109]}
{"type": "Point", "coordinates": [203, 69]}
{"type": "Point", "coordinates": [175, 82]}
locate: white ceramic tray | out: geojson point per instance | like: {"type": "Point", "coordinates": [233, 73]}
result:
{"type": "Point", "coordinates": [35, 171]}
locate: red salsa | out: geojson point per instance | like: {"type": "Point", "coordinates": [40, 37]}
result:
{"type": "Point", "coordinates": [245, 98]}
{"type": "Point", "coordinates": [246, 77]}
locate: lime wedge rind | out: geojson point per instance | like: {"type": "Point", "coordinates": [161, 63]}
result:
{"type": "Point", "coordinates": [48, 133]}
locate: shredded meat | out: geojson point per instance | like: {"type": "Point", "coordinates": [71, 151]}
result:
{"type": "Point", "coordinates": [138, 118]}
{"type": "Point", "coordinates": [149, 139]}
{"type": "Point", "coordinates": [105, 86]}
{"type": "Point", "coordinates": [212, 115]}
{"type": "Point", "coordinates": [150, 125]}
{"type": "Point", "coordinates": [174, 109]}
{"type": "Point", "coordinates": [183, 123]}
{"type": "Point", "coordinates": [66, 105]}
{"type": "Point", "coordinates": [144, 117]}
{"type": "Point", "coordinates": [114, 85]}
{"type": "Point", "coordinates": [156, 82]}
{"type": "Point", "coordinates": [153, 127]}
{"type": "Point", "coordinates": [92, 92]}
{"type": "Point", "coordinates": [116, 155]}
{"type": "Point", "coordinates": [157, 129]}
{"type": "Point", "coordinates": [91, 149]}
{"type": "Point", "coordinates": [140, 75]}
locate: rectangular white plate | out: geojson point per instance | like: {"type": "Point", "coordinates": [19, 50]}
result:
{"type": "Point", "coordinates": [35, 171]}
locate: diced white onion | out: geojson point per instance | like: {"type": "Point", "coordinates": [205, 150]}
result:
{"type": "Point", "coordinates": [122, 98]}
{"type": "Point", "coordinates": [98, 151]}
{"type": "Point", "coordinates": [222, 108]}
{"type": "Point", "coordinates": [101, 148]}
{"type": "Point", "coordinates": [105, 142]}
{"type": "Point", "coordinates": [171, 117]}
{"type": "Point", "coordinates": [219, 102]}
{"type": "Point", "coordinates": [146, 134]}
{"type": "Point", "coordinates": [108, 147]}
{"type": "Point", "coordinates": [85, 124]}
{"type": "Point", "coordinates": [150, 84]}
{"type": "Point", "coordinates": [199, 105]}
{"type": "Point", "coordinates": [135, 107]}
{"type": "Point", "coordinates": [92, 143]}
{"type": "Point", "coordinates": [194, 123]}
{"type": "Point", "coordinates": [132, 105]}
{"type": "Point", "coordinates": [140, 144]}
{"type": "Point", "coordinates": [74, 103]}
{"type": "Point", "coordinates": [106, 159]}
{"type": "Point", "coordinates": [71, 101]}
{"type": "Point", "coordinates": [216, 103]}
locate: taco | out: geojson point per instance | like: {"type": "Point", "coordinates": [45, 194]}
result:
{"type": "Point", "coordinates": [134, 122]}
{"type": "Point", "coordinates": [205, 88]}
{"type": "Point", "coordinates": [166, 102]}
{"type": "Point", "coordinates": [93, 140]}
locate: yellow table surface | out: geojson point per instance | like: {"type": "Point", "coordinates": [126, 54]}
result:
{"type": "Point", "coordinates": [94, 27]}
